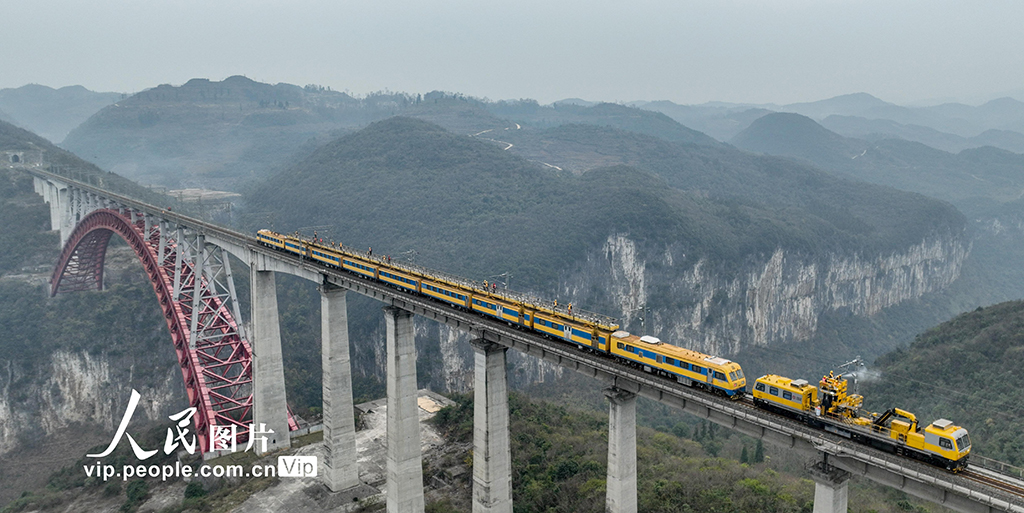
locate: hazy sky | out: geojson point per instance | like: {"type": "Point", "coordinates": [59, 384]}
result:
{"type": "Point", "coordinates": [686, 51]}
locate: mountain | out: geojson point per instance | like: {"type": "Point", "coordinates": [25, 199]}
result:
{"type": "Point", "coordinates": [208, 134]}
{"type": "Point", "coordinates": [70, 361]}
{"type": "Point", "coordinates": [977, 173]}
{"type": "Point", "coordinates": [721, 121]}
{"type": "Point", "coordinates": [876, 129]}
{"type": "Point", "coordinates": [726, 250]}
{"type": "Point", "coordinates": [985, 183]}
{"type": "Point", "coordinates": [965, 370]}
{"type": "Point", "coordinates": [847, 104]}
{"type": "Point", "coordinates": [224, 134]}
{"type": "Point", "coordinates": [625, 118]}
{"type": "Point", "coordinates": [61, 161]}
{"type": "Point", "coordinates": [575, 101]}
{"type": "Point", "coordinates": [950, 127]}
{"type": "Point", "coordinates": [52, 113]}
{"type": "Point", "coordinates": [793, 135]}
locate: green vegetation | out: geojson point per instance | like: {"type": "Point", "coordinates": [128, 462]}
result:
{"type": "Point", "coordinates": [858, 216]}
{"type": "Point", "coordinates": [966, 370]}
{"type": "Point", "coordinates": [469, 208]}
{"type": "Point", "coordinates": [559, 462]}
{"type": "Point", "coordinates": [960, 178]}
{"type": "Point", "coordinates": [63, 162]}
{"type": "Point", "coordinates": [26, 233]}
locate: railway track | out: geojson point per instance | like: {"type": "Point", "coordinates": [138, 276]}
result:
{"type": "Point", "coordinates": [1001, 483]}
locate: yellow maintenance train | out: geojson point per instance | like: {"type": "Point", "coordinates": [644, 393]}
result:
{"type": "Point", "coordinates": [587, 330]}
{"type": "Point", "coordinates": [830, 407]}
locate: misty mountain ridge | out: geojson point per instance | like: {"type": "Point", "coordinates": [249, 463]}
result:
{"type": "Point", "coordinates": [986, 183]}
{"type": "Point", "coordinates": [897, 163]}
{"type": "Point", "coordinates": [575, 101]}
{"type": "Point", "coordinates": [876, 129]}
{"type": "Point", "coordinates": [843, 104]}
{"type": "Point", "coordinates": [221, 134]}
{"type": "Point", "coordinates": [52, 113]}
{"type": "Point", "coordinates": [950, 127]}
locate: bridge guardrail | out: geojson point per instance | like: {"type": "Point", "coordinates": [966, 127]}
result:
{"type": "Point", "coordinates": [997, 466]}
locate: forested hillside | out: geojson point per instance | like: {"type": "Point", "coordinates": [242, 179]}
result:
{"type": "Point", "coordinates": [64, 162]}
{"type": "Point", "coordinates": [988, 173]}
{"type": "Point", "coordinates": [967, 370]}
{"type": "Point", "coordinates": [224, 134]}
{"type": "Point", "coordinates": [69, 362]}
{"type": "Point", "coordinates": [466, 203]}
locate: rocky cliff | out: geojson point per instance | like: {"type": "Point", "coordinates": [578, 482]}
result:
{"type": "Point", "coordinates": [775, 299]}
{"type": "Point", "coordinates": [771, 298]}
{"type": "Point", "coordinates": [77, 388]}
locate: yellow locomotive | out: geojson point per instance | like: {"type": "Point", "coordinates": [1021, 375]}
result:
{"type": "Point", "coordinates": [584, 329]}
{"type": "Point", "coordinates": [830, 407]}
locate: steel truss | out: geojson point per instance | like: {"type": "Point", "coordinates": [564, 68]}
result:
{"type": "Point", "coordinates": [193, 283]}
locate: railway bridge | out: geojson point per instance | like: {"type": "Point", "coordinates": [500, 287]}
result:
{"type": "Point", "coordinates": [234, 377]}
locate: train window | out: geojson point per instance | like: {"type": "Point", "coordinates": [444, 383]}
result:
{"type": "Point", "coordinates": [732, 376]}
{"type": "Point", "coordinates": [759, 387]}
{"type": "Point", "coordinates": [670, 361]}
{"type": "Point", "coordinates": [620, 345]}
{"type": "Point", "coordinates": [631, 349]}
{"type": "Point", "coordinates": [787, 396]}
{"type": "Point", "coordinates": [963, 442]}
{"type": "Point", "coordinates": [945, 443]}
{"type": "Point", "coordinates": [697, 369]}
{"type": "Point", "coordinates": [719, 375]}
{"type": "Point", "coordinates": [773, 391]}
{"type": "Point", "coordinates": [684, 365]}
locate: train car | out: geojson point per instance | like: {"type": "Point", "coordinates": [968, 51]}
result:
{"type": "Point", "coordinates": [401, 280]}
{"type": "Point", "coordinates": [294, 245]}
{"type": "Point", "coordinates": [323, 255]}
{"type": "Point", "coordinates": [558, 327]}
{"type": "Point", "coordinates": [269, 238]}
{"type": "Point", "coordinates": [500, 309]}
{"type": "Point", "coordinates": [585, 330]}
{"type": "Point", "coordinates": [688, 367]}
{"type": "Point", "coordinates": [778, 392]}
{"type": "Point", "coordinates": [359, 266]}
{"type": "Point", "coordinates": [446, 292]}
{"type": "Point", "coordinates": [829, 406]}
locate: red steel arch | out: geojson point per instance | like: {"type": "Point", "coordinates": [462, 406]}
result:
{"type": "Point", "coordinates": [218, 371]}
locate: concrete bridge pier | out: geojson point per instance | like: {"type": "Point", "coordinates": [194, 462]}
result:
{"type": "Point", "coordinates": [404, 455]}
{"type": "Point", "coordinates": [621, 484]}
{"type": "Point", "coordinates": [492, 460]}
{"type": "Point", "coordinates": [270, 409]}
{"type": "Point", "coordinates": [831, 487]}
{"type": "Point", "coordinates": [341, 468]}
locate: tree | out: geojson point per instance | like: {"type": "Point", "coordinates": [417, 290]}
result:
{"type": "Point", "coordinates": [759, 452]}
